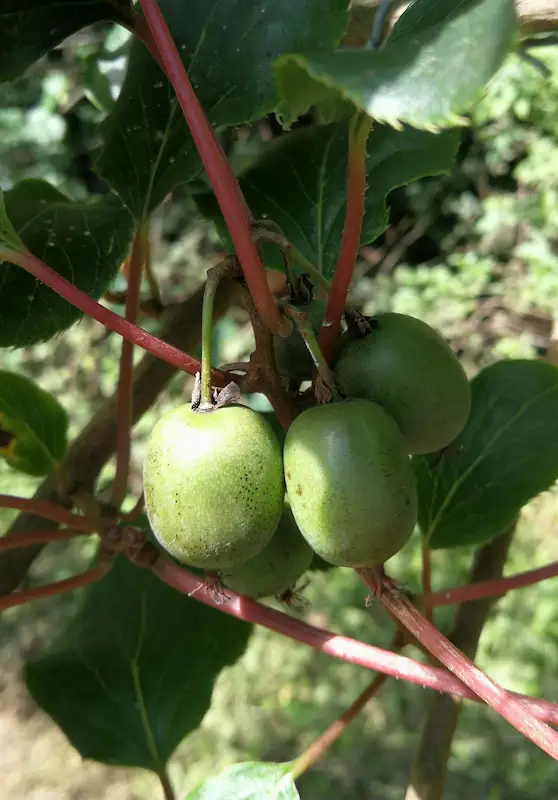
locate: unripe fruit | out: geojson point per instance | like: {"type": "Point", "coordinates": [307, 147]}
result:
{"type": "Point", "coordinates": [291, 354]}
{"type": "Point", "coordinates": [405, 366]}
{"type": "Point", "coordinates": [277, 567]}
{"type": "Point", "coordinates": [350, 483]}
{"type": "Point", "coordinates": [213, 485]}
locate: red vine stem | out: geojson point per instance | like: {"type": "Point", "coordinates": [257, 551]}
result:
{"type": "Point", "coordinates": [128, 330]}
{"type": "Point", "coordinates": [221, 177]}
{"type": "Point", "coordinates": [13, 541]}
{"type": "Point", "coordinates": [42, 508]}
{"type": "Point", "coordinates": [329, 736]}
{"type": "Point", "coordinates": [359, 128]}
{"type": "Point", "coordinates": [498, 699]}
{"type": "Point", "coordinates": [67, 585]}
{"type": "Point", "coordinates": [341, 647]}
{"type": "Point", "coordinates": [492, 588]}
{"type": "Point", "coordinates": [125, 377]}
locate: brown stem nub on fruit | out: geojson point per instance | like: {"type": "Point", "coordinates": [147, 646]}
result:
{"type": "Point", "coordinates": [326, 390]}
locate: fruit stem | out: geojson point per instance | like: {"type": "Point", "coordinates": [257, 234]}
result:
{"type": "Point", "coordinates": [67, 585]}
{"type": "Point", "coordinates": [221, 177]}
{"type": "Point", "coordinates": [447, 654]}
{"type": "Point", "coordinates": [304, 327]}
{"type": "Point", "coordinates": [42, 508]}
{"type": "Point", "coordinates": [124, 410]}
{"type": "Point", "coordinates": [332, 644]}
{"type": "Point", "coordinates": [496, 587]}
{"type": "Point", "coordinates": [319, 747]}
{"type": "Point", "coordinates": [359, 129]}
{"type": "Point", "coordinates": [268, 231]}
{"type": "Point", "coordinates": [29, 538]}
{"type": "Point", "coordinates": [214, 277]}
{"type": "Point", "coordinates": [109, 319]}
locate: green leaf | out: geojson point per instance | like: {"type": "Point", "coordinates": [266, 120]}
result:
{"type": "Point", "coordinates": [33, 426]}
{"type": "Point", "coordinates": [96, 85]}
{"type": "Point", "coordinates": [506, 455]}
{"type": "Point", "coordinates": [134, 672]}
{"type": "Point", "coordinates": [251, 780]}
{"type": "Point", "coordinates": [228, 49]}
{"type": "Point", "coordinates": [8, 236]}
{"type": "Point", "coordinates": [431, 69]}
{"type": "Point", "coordinates": [300, 183]}
{"type": "Point", "coordinates": [30, 28]}
{"type": "Point", "coordinates": [83, 242]}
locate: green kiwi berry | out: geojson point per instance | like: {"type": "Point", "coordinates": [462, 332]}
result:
{"type": "Point", "coordinates": [213, 485]}
{"type": "Point", "coordinates": [405, 366]}
{"type": "Point", "coordinates": [350, 483]}
{"type": "Point", "coordinates": [277, 567]}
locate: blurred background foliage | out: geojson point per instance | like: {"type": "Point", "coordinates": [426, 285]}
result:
{"type": "Point", "coordinates": [475, 254]}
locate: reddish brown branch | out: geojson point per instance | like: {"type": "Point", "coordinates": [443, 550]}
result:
{"type": "Point", "coordinates": [356, 190]}
{"type": "Point", "coordinates": [341, 647]}
{"type": "Point", "coordinates": [41, 508]}
{"type": "Point", "coordinates": [428, 773]}
{"type": "Point", "coordinates": [227, 191]}
{"type": "Point", "coordinates": [30, 538]}
{"type": "Point", "coordinates": [319, 747]}
{"type": "Point", "coordinates": [447, 654]}
{"type": "Point", "coordinates": [124, 390]}
{"type": "Point", "coordinates": [128, 330]}
{"type": "Point", "coordinates": [492, 588]}
{"type": "Point", "coordinates": [67, 585]}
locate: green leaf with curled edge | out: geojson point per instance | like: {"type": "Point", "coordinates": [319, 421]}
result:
{"type": "Point", "coordinates": [300, 183]}
{"type": "Point", "coordinates": [83, 242]}
{"type": "Point", "coordinates": [506, 455]}
{"type": "Point", "coordinates": [228, 49]}
{"type": "Point", "coordinates": [33, 426]}
{"type": "Point", "coordinates": [431, 69]}
{"type": "Point", "coordinates": [250, 780]}
{"type": "Point", "coordinates": [134, 671]}
{"type": "Point", "coordinates": [30, 28]}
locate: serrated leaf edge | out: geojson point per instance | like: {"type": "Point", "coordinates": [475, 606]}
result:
{"type": "Point", "coordinates": [448, 121]}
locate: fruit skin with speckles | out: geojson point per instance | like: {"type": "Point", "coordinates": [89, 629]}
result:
{"type": "Point", "coordinates": [213, 485]}
{"type": "Point", "coordinates": [405, 366]}
{"type": "Point", "coordinates": [292, 357]}
{"type": "Point", "coordinates": [277, 567]}
{"type": "Point", "coordinates": [350, 483]}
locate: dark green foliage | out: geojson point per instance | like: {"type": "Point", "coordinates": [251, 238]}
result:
{"type": "Point", "coordinates": [83, 242]}
{"type": "Point", "coordinates": [133, 673]}
{"type": "Point", "coordinates": [228, 49]}
{"type": "Point", "coordinates": [506, 455]}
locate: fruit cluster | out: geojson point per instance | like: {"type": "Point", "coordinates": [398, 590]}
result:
{"type": "Point", "coordinates": [215, 482]}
